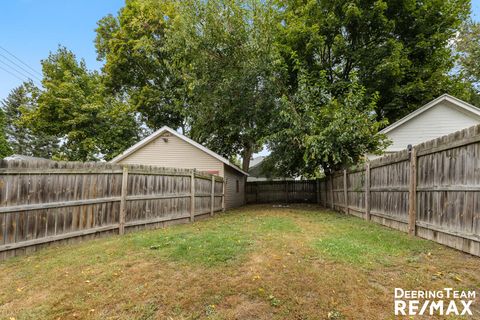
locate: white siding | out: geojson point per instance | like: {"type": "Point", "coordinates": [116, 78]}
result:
{"type": "Point", "coordinates": [439, 120]}
{"type": "Point", "coordinates": [232, 197]}
{"type": "Point", "coordinates": [175, 153]}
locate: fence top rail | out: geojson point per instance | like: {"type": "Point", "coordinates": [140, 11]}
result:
{"type": "Point", "coordinates": [34, 167]}
{"type": "Point", "coordinates": [454, 140]}
{"type": "Point", "coordinates": [207, 176]}
{"type": "Point", "coordinates": [337, 174]}
{"type": "Point", "coordinates": [390, 159]}
{"type": "Point", "coordinates": [281, 181]}
{"type": "Point", "coordinates": [357, 168]}
{"type": "Point", "coordinates": [50, 171]}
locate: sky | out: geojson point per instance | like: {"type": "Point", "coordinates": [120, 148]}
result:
{"type": "Point", "coordinates": [476, 10]}
{"type": "Point", "coordinates": [31, 29]}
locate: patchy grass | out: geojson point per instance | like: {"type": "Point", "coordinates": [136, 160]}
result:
{"type": "Point", "coordinates": [280, 224]}
{"type": "Point", "coordinates": [209, 247]}
{"type": "Point", "coordinates": [257, 262]}
{"type": "Point", "coordinates": [362, 243]}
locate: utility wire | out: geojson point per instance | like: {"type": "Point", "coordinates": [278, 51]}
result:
{"type": "Point", "coordinates": [19, 60]}
{"type": "Point", "coordinates": [12, 68]}
{"type": "Point", "coordinates": [19, 66]}
{"type": "Point", "coordinates": [18, 73]}
{"type": "Point", "coordinates": [11, 73]}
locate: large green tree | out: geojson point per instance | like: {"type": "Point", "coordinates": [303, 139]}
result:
{"type": "Point", "coordinates": [231, 73]}
{"type": "Point", "coordinates": [21, 138]}
{"type": "Point", "coordinates": [398, 49]}
{"type": "Point", "coordinates": [225, 51]}
{"type": "Point", "coordinates": [207, 67]}
{"type": "Point", "coordinates": [132, 45]}
{"type": "Point", "coordinates": [467, 46]}
{"type": "Point", "coordinates": [73, 107]}
{"type": "Point", "coordinates": [317, 132]}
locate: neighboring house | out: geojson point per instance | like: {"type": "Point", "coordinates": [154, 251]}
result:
{"type": "Point", "coordinates": [21, 157]}
{"type": "Point", "coordinates": [256, 171]}
{"type": "Point", "coordinates": [168, 148]}
{"type": "Point", "coordinates": [439, 117]}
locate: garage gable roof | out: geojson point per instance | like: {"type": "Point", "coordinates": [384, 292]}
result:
{"type": "Point", "coordinates": [161, 131]}
{"type": "Point", "coordinates": [470, 109]}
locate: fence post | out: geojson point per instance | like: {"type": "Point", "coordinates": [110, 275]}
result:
{"type": "Point", "coordinates": [212, 199]}
{"type": "Point", "coordinates": [192, 195]}
{"type": "Point", "coordinates": [367, 191]}
{"type": "Point", "coordinates": [223, 193]}
{"type": "Point", "coordinates": [345, 190]}
{"type": "Point", "coordinates": [332, 205]}
{"type": "Point", "coordinates": [412, 194]}
{"type": "Point", "coordinates": [123, 202]}
{"type": "Point", "coordinates": [318, 190]}
{"type": "Point", "coordinates": [325, 183]}
{"type": "Point", "coordinates": [286, 190]}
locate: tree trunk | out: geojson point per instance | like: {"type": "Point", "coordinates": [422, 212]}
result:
{"type": "Point", "coordinates": [246, 155]}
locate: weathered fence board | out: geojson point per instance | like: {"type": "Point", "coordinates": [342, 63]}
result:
{"type": "Point", "coordinates": [287, 191]}
{"type": "Point", "coordinates": [45, 202]}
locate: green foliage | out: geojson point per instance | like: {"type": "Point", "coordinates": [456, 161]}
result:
{"type": "Point", "coordinates": [22, 139]}
{"type": "Point", "coordinates": [133, 48]}
{"type": "Point", "coordinates": [230, 73]}
{"type": "Point", "coordinates": [5, 149]}
{"type": "Point", "coordinates": [225, 50]}
{"type": "Point", "coordinates": [398, 49]}
{"type": "Point", "coordinates": [314, 79]}
{"type": "Point", "coordinates": [467, 46]}
{"type": "Point", "coordinates": [74, 108]}
{"type": "Point", "coordinates": [317, 131]}
{"type": "Point", "coordinates": [205, 67]}
{"type": "Point", "coordinates": [352, 65]}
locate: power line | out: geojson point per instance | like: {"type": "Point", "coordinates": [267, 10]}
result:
{"type": "Point", "coordinates": [19, 73]}
{"type": "Point", "coordinates": [11, 73]}
{"type": "Point", "coordinates": [19, 66]}
{"type": "Point", "coordinates": [19, 60]}
{"type": "Point", "coordinates": [12, 68]}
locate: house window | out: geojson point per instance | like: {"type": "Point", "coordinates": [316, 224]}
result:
{"type": "Point", "coordinates": [238, 186]}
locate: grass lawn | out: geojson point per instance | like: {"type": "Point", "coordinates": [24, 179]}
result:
{"type": "Point", "coordinates": [257, 262]}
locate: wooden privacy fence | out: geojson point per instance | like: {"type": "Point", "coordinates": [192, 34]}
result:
{"type": "Point", "coordinates": [285, 191]}
{"type": "Point", "coordinates": [41, 202]}
{"type": "Point", "coordinates": [433, 191]}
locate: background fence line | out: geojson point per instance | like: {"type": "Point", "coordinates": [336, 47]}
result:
{"type": "Point", "coordinates": [286, 191]}
{"type": "Point", "coordinates": [432, 192]}
{"type": "Point", "coordinates": [42, 203]}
